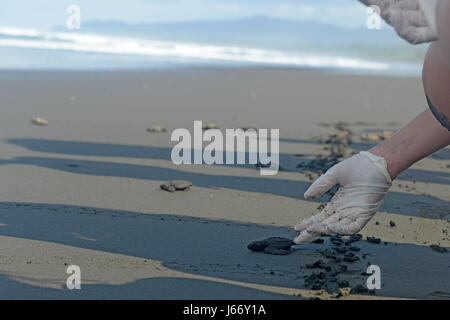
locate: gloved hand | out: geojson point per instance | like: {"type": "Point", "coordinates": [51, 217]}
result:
{"type": "Point", "coordinates": [364, 181]}
{"type": "Point", "coordinates": [413, 20]}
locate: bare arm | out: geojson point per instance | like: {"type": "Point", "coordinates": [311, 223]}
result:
{"type": "Point", "coordinates": [418, 139]}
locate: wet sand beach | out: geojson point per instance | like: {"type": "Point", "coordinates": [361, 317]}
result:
{"type": "Point", "coordinates": [85, 189]}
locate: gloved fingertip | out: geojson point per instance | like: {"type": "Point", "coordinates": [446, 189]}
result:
{"type": "Point", "coordinates": [305, 237]}
{"type": "Point", "coordinates": [308, 196]}
{"type": "Point", "coordinates": [318, 228]}
{"type": "Point", "coordinates": [301, 226]}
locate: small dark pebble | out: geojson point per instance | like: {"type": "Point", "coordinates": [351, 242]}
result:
{"type": "Point", "coordinates": [438, 248]}
{"type": "Point", "coordinates": [316, 165]}
{"type": "Point", "coordinates": [318, 264]}
{"type": "Point", "coordinates": [336, 240]}
{"type": "Point", "coordinates": [354, 238]}
{"type": "Point", "coordinates": [260, 165]}
{"type": "Point", "coordinates": [359, 289]}
{"type": "Point", "coordinates": [334, 273]}
{"type": "Point", "coordinates": [373, 240]}
{"type": "Point", "coordinates": [351, 259]}
{"type": "Point", "coordinates": [315, 281]}
{"type": "Point", "coordinates": [343, 284]}
{"type": "Point", "coordinates": [392, 223]}
{"type": "Point", "coordinates": [340, 250]}
{"type": "Point", "coordinates": [343, 267]}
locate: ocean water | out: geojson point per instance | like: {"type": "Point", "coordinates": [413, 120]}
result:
{"type": "Point", "coordinates": [29, 49]}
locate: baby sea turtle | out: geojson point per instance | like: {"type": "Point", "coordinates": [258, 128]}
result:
{"type": "Point", "coordinates": [176, 185]}
{"type": "Point", "coordinates": [272, 245]}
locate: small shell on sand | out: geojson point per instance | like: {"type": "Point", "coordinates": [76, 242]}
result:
{"type": "Point", "coordinates": [39, 121]}
{"type": "Point", "coordinates": [176, 185]}
{"type": "Point", "coordinates": [377, 136]}
{"type": "Point", "coordinates": [156, 129]}
{"type": "Point", "coordinates": [341, 134]}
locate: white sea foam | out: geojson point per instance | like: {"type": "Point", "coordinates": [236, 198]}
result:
{"type": "Point", "coordinates": [91, 43]}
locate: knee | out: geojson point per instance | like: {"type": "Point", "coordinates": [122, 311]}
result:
{"type": "Point", "coordinates": [435, 72]}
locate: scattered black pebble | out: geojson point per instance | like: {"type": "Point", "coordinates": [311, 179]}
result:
{"type": "Point", "coordinates": [336, 241]}
{"type": "Point", "coordinates": [438, 248]}
{"type": "Point", "coordinates": [359, 289]}
{"type": "Point", "coordinates": [260, 165]}
{"type": "Point", "coordinates": [315, 281]}
{"type": "Point", "coordinates": [373, 240]}
{"type": "Point", "coordinates": [353, 238]}
{"type": "Point", "coordinates": [392, 223]}
{"type": "Point", "coordinates": [343, 267]}
{"type": "Point", "coordinates": [318, 264]}
{"type": "Point", "coordinates": [340, 250]}
{"type": "Point", "coordinates": [350, 257]}
{"type": "Point", "coordinates": [316, 165]}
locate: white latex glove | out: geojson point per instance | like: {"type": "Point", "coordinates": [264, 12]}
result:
{"type": "Point", "coordinates": [364, 181]}
{"type": "Point", "coordinates": [413, 20]}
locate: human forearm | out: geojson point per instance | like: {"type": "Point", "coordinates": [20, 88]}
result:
{"type": "Point", "coordinates": [418, 139]}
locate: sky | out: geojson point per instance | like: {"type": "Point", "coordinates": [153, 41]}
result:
{"type": "Point", "coordinates": [45, 14]}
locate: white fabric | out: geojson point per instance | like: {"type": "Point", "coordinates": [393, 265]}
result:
{"type": "Point", "coordinates": [429, 9]}
{"type": "Point", "coordinates": [413, 20]}
{"type": "Point", "coordinates": [363, 184]}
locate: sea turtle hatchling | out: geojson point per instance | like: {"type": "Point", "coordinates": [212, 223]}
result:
{"type": "Point", "coordinates": [176, 185]}
{"type": "Point", "coordinates": [272, 245]}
